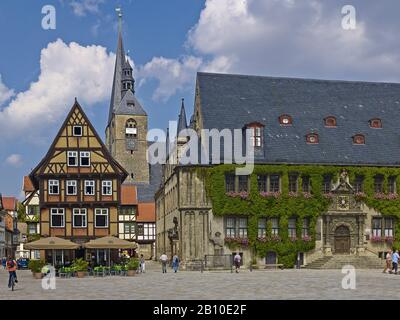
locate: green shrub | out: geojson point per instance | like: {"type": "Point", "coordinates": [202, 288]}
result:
{"type": "Point", "coordinates": [80, 265]}
{"type": "Point", "coordinates": [36, 265]}
{"type": "Point", "coordinates": [133, 264]}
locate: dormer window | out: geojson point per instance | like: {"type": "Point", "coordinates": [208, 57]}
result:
{"type": "Point", "coordinates": [312, 138]}
{"type": "Point", "coordinates": [330, 122]}
{"type": "Point", "coordinates": [375, 123]}
{"type": "Point", "coordinates": [285, 120]}
{"type": "Point", "coordinates": [256, 136]}
{"type": "Point", "coordinates": [358, 139]}
{"type": "Point", "coordinates": [77, 131]}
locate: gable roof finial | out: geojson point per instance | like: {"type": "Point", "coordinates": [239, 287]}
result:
{"type": "Point", "coordinates": [182, 121]}
{"type": "Point", "coordinates": [120, 15]}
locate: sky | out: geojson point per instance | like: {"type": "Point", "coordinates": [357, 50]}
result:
{"type": "Point", "coordinates": [42, 71]}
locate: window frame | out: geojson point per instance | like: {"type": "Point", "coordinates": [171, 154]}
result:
{"type": "Point", "coordinates": [295, 182]}
{"type": "Point", "coordinates": [231, 229]}
{"type": "Point", "coordinates": [378, 183]}
{"type": "Point", "coordinates": [74, 155]}
{"type": "Point", "coordinates": [83, 155]}
{"type": "Point", "coordinates": [75, 188]}
{"type": "Point", "coordinates": [54, 183]}
{"type": "Point", "coordinates": [110, 186]}
{"type": "Point", "coordinates": [359, 183]}
{"type": "Point", "coordinates": [262, 183]}
{"type": "Point", "coordinates": [305, 179]}
{"type": "Point", "coordinates": [274, 186]}
{"type": "Point", "coordinates": [57, 214]}
{"type": "Point", "coordinates": [243, 229]}
{"type": "Point", "coordinates": [262, 228]}
{"type": "Point", "coordinates": [305, 229]}
{"type": "Point", "coordinates": [86, 184]}
{"type": "Point", "coordinates": [84, 215]}
{"type": "Point", "coordinates": [292, 231]}
{"type": "Point", "coordinates": [76, 127]}
{"type": "Point", "coordinates": [274, 230]}
{"type": "Point", "coordinates": [106, 214]}
{"type": "Point", "coordinates": [392, 188]}
{"type": "Point", "coordinates": [233, 177]}
{"type": "Point", "coordinates": [244, 183]}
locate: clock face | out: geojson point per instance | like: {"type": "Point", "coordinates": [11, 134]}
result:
{"type": "Point", "coordinates": [343, 203]}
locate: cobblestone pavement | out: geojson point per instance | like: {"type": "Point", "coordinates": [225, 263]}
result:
{"type": "Point", "coordinates": [277, 284]}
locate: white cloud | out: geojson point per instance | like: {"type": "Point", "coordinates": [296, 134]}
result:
{"type": "Point", "coordinates": [83, 7]}
{"type": "Point", "coordinates": [67, 71]}
{"type": "Point", "coordinates": [298, 38]}
{"type": "Point", "coordinates": [14, 160]}
{"type": "Point", "coordinates": [172, 74]}
{"type": "Point", "coordinates": [5, 93]}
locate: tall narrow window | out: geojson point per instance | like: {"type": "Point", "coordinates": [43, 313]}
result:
{"type": "Point", "coordinates": [243, 183]}
{"type": "Point", "coordinates": [106, 187]}
{"type": "Point", "coordinates": [292, 183]}
{"type": "Point", "coordinates": [229, 182]}
{"type": "Point", "coordinates": [305, 231]}
{"type": "Point", "coordinates": [89, 187]}
{"type": "Point", "coordinates": [101, 218]}
{"type": "Point", "coordinates": [57, 218]}
{"type": "Point", "coordinates": [392, 184]}
{"type": "Point", "coordinates": [262, 183]}
{"type": "Point", "coordinates": [54, 187]}
{"type": "Point", "coordinates": [326, 183]}
{"type": "Point", "coordinates": [378, 183]}
{"type": "Point", "coordinates": [243, 227]}
{"type": "Point", "coordinates": [72, 158]}
{"type": "Point", "coordinates": [376, 227]}
{"type": "Point", "coordinates": [305, 183]}
{"type": "Point", "coordinates": [275, 226]}
{"type": "Point", "coordinates": [359, 183]}
{"type": "Point", "coordinates": [230, 229]}
{"type": "Point", "coordinates": [389, 223]}
{"type": "Point", "coordinates": [262, 227]}
{"type": "Point", "coordinates": [292, 228]}
{"type": "Point", "coordinates": [274, 183]}
{"type": "Point", "coordinates": [71, 187]}
{"type": "Point", "coordinates": [256, 137]}
{"type": "Point", "coordinates": [85, 158]}
{"type": "Point", "coordinates": [79, 218]}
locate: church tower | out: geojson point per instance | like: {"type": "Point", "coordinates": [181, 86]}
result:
{"type": "Point", "coordinates": [126, 130]}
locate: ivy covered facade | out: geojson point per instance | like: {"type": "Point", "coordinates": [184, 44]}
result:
{"type": "Point", "coordinates": [325, 179]}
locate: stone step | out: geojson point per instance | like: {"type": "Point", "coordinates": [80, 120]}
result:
{"type": "Point", "coordinates": [339, 261]}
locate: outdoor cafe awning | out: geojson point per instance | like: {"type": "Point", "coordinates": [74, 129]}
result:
{"type": "Point", "coordinates": [110, 243]}
{"type": "Point", "coordinates": [54, 243]}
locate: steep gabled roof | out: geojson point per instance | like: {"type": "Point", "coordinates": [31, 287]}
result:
{"type": "Point", "coordinates": [231, 101]}
{"type": "Point", "coordinates": [38, 170]}
{"type": "Point", "coordinates": [28, 185]}
{"type": "Point", "coordinates": [130, 105]}
{"type": "Point", "coordinates": [10, 203]}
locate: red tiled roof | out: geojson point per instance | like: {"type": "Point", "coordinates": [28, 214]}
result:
{"type": "Point", "coordinates": [146, 212]}
{"type": "Point", "coordinates": [28, 185]}
{"type": "Point", "coordinates": [10, 203]}
{"type": "Point", "coordinates": [128, 195]}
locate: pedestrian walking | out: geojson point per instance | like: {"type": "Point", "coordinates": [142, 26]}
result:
{"type": "Point", "coordinates": [395, 261]}
{"type": "Point", "coordinates": [237, 259]}
{"type": "Point", "coordinates": [142, 264]}
{"type": "Point", "coordinates": [175, 263]}
{"type": "Point", "coordinates": [388, 265]}
{"type": "Point", "coordinates": [164, 260]}
{"type": "Point", "coordinates": [4, 262]}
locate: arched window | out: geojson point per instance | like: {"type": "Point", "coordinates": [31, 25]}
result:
{"type": "Point", "coordinates": [359, 139]}
{"type": "Point", "coordinates": [375, 123]}
{"type": "Point", "coordinates": [131, 129]}
{"type": "Point", "coordinates": [330, 122]}
{"type": "Point", "coordinates": [285, 120]}
{"type": "Point", "coordinates": [312, 138]}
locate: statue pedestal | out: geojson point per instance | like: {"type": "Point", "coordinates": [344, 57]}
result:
{"type": "Point", "coordinates": [328, 250]}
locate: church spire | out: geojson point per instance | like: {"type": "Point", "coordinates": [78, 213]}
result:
{"type": "Point", "coordinates": [123, 77]}
{"type": "Point", "coordinates": [182, 123]}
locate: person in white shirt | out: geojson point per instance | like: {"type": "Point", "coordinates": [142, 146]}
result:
{"type": "Point", "coordinates": [164, 260]}
{"type": "Point", "coordinates": [237, 259]}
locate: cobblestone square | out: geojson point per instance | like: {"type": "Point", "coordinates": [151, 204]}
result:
{"type": "Point", "coordinates": [246, 285]}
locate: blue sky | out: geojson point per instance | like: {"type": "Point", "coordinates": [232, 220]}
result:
{"type": "Point", "coordinates": [41, 71]}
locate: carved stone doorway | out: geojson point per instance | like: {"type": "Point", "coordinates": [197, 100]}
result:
{"type": "Point", "coordinates": [342, 240]}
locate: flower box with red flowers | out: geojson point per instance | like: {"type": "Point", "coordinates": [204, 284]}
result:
{"type": "Point", "coordinates": [306, 238]}
{"type": "Point", "coordinates": [241, 195]}
{"type": "Point", "coordinates": [389, 239]}
{"type": "Point", "coordinates": [307, 195]}
{"type": "Point", "coordinates": [377, 239]}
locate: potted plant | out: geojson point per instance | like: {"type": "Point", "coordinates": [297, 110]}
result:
{"type": "Point", "coordinates": [36, 267]}
{"type": "Point", "coordinates": [80, 266]}
{"type": "Point", "coordinates": [133, 265]}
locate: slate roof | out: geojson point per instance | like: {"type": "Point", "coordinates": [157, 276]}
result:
{"type": "Point", "coordinates": [130, 105]}
{"type": "Point", "coordinates": [231, 101]}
